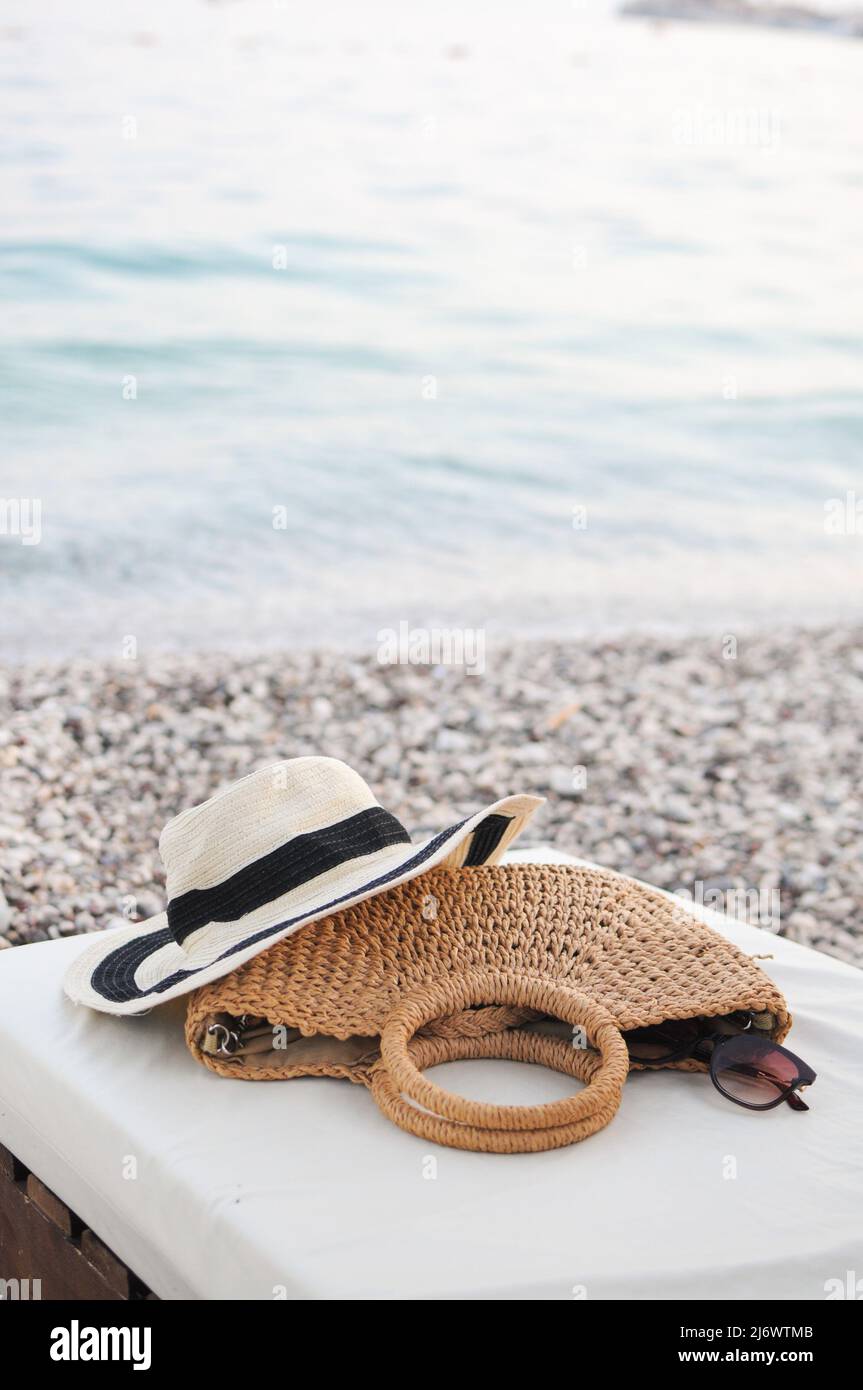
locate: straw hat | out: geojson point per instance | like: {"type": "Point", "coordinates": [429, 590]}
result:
{"type": "Point", "coordinates": [283, 847]}
{"type": "Point", "coordinates": [471, 964]}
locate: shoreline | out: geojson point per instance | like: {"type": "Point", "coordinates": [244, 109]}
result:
{"type": "Point", "coordinates": [359, 643]}
{"type": "Point", "coordinates": [730, 776]}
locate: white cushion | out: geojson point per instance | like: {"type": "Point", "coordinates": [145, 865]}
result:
{"type": "Point", "coordinates": [303, 1189]}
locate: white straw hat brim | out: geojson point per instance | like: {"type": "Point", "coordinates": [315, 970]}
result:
{"type": "Point", "coordinates": [131, 969]}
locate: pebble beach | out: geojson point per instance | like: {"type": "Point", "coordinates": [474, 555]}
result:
{"type": "Point", "coordinates": [723, 768]}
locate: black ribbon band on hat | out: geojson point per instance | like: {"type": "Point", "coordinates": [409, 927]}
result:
{"type": "Point", "coordinates": [284, 869]}
{"type": "Point", "coordinates": [486, 838]}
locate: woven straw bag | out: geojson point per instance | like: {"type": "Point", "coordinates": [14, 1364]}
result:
{"type": "Point", "coordinates": [475, 962]}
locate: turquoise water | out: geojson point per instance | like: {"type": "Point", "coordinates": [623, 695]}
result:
{"type": "Point", "coordinates": [428, 282]}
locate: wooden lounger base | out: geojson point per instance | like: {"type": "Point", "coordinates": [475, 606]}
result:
{"type": "Point", "coordinates": [47, 1252]}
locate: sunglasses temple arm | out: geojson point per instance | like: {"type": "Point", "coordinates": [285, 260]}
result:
{"type": "Point", "coordinates": [796, 1101]}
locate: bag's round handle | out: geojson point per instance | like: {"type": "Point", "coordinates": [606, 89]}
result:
{"type": "Point", "coordinates": [517, 1046]}
{"type": "Point", "coordinates": [600, 1097]}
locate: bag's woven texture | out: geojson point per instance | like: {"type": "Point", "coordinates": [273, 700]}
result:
{"type": "Point", "coordinates": [521, 942]}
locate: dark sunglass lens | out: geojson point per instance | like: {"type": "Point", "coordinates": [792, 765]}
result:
{"type": "Point", "coordinates": [752, 1070]}
{"type": "Point", "coordinates": [661, 1042]}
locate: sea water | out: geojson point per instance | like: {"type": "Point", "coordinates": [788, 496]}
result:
{"type": "Point", "coordinates": [318, 320]}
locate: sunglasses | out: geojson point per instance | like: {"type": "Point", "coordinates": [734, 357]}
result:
{"type": "Point", "coordinates": [745, 1067]}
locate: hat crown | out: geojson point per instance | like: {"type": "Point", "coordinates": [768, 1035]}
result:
{"type": "Point", "coordinates": [246, 821]}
